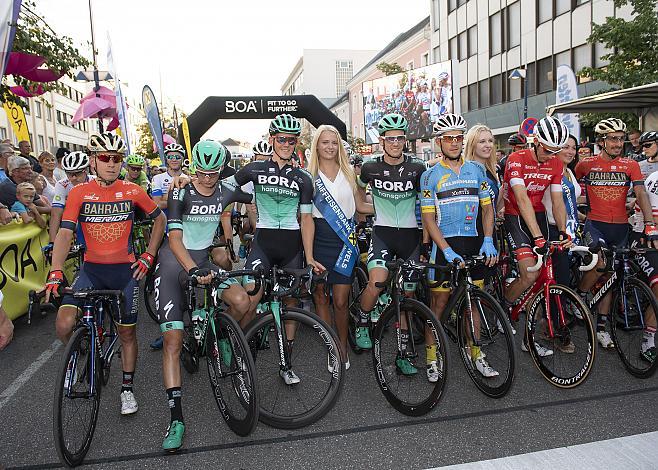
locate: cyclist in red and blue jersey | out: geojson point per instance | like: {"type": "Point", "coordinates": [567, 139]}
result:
{"type": "Point", "coordinates": [452, 194]}
{"type": "Point", "coordinates": [105, 210]}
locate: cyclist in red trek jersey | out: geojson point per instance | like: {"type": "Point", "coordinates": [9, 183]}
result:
{"type": "Point", "coordinates": [105, 210]}
{"type": "Point", "coordinates": [607, 177]}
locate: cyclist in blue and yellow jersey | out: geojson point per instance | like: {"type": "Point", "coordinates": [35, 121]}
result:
{"type": "Point", "coordinates": [453, 192]}
{"type": "Point", "coordinates": [394, 179]}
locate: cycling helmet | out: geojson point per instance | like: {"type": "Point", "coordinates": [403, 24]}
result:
{"type": "Point", "coordinates": [135, 160]}
{"type": "Point", "coordinates": [208, 155]}
{"type": "Point", "coordinates": [649, 136]}
{"type": "Point", "coordinates": [551, 132]}
{"type": "Point", "coordinates": [392, 122]}
{"type": "Point", "coordinates": [517, 139]}
{"type": "Point", "coordinates": [442, 76]}
{"type": "Point", "coordinates": [171, 148]}
{"type": "Point", "coordinates": [75, 161]}
{"type": "Point", "coordinates": [606, 126]}
{"type": "Point", "coordinates": [449, 122]}
{"type": "Point", "coordinates": [106, 142]}
{"type": "Point", "coordinates": [262, 147]}
{"type": "Point", "coordinates": [285, 124]}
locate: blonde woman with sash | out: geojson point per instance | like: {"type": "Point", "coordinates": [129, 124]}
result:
{"type": "Point", "coordinates": [335, 201]}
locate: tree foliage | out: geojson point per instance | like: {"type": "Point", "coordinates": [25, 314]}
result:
{"type": "Point", "coordinates": [35, 36]}
{"type": "Point", "coordinates": [145, 142]}
{"type": "Point", "coordinates": [390, 69]}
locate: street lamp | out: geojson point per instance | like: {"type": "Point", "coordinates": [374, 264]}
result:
{"type": "Point", "coordinates": [520, 74]}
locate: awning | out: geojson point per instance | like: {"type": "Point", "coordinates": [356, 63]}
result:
{"type": "Point", "coordinates": [635, 100]}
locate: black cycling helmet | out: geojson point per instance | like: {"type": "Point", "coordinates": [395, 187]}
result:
{"type": "Point", "coordinates": [649, 136]}
{"type": "Point", "coordinates": [517, 139]}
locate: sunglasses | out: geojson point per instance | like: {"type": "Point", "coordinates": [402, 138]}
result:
{"type": "Point", "coordinates": [74, 174]}
{"type": "Point", "coordinates": [105, 158]}
{"type": "Point", "coordinates": [289, 140]}
{"type": "Point", "coordinates": [647, 145]}
{"type": "Point", "coordinates": [453, 138]}
{"type": "Point", "coordinates": [207, 175]}
{"type": "Point", "coordinates": [551, 151]}
{"type": "Point", "coordinates": [135, 168]}
{"type": "Point", "coordinates": [174, 157]}
{"type": "Point", "coordinates": [391, 139]}
{"type": "Point", "coordinates": [616, 139]}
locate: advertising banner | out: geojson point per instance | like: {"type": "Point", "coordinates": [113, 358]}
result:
{"type": "Point", "coordinates": [567, 90]}
{"type": "Point", "coordinates": [17, 119]}
{"type": "Point", "coordinates": [8, 17]}
{"type": "Point", "coordinates": [153, 118]}
{"type": "Point", "coordinates": [421, 95]}
{"type": "Point", "coordinates": [121, 102]}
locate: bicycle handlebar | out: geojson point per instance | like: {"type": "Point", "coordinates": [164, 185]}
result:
{"type": "Point", "coordinates": [576, 249]}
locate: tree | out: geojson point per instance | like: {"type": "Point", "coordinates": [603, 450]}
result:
{"type": "Point", "coordinates": [35, 36]}
{"type": "Point", "coordinates": [390, 69]}
{"type": "Point", "coordinates": [633, 53]}
{"type": "Point", "coordinates": [145, 143]}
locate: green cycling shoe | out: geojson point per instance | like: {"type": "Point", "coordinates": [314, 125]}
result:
{"type": "Point", "coordinates": [405, 367]}
{"type": "Point", "coordinates": [363, 338]}
{"type": "Point", "coordinates": [174, 438]}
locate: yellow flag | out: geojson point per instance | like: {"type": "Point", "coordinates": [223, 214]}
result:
{"type": "Point", "coordinates": [186, 137]}
{"type": "Point", "coordinates": [17, 119]}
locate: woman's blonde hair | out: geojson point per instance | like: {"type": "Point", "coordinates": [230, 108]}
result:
{"type": "Point", "coordinates": [472, 136]}
{"type": "Point", "coordinates": [45, 154]}
{"type": "Point", "coordinates": [343, 162]}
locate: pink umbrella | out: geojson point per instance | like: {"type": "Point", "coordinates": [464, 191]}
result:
{"type": "Point", "coordinates": [42, 75]}
{"type": "Point", "coordinates": [103, 92]}
{"type": "Point", "coordinates": [167, 139]}
{"type": "Point", "coordinates": [90, 108]}
{"type": "Point", "coordinates": [114, 123]}
{"type": "Point", "coordinates": [20, 62]}
{"type": "Point", "coordinates": [22, 92]}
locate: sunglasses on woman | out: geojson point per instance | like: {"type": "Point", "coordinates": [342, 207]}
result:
{"type": "Point", "coordinates": [105, 158]}
{"type": "Point", "coordinates": [289, 140]}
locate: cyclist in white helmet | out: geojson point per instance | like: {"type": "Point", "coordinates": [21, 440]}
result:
{"type": "Point", "coordinates": [174, 155]}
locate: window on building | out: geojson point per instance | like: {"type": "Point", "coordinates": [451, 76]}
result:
{"type": "Point", "coordinates": [495, 34]}
{"type": "Point", "coordinates": [562, 6]}
{"type": "Point", "coordinates": [37, 109]}
{"type": "Point", "coordinates": [472, 96]}
{"type": "Point", "coordinates": [436, 10]}
{"type": "Point", "coordinates": [582, 57]}
{"type": "Point", "coordinates": [3, 133]}
{"type": "Point", "coordinates": [497, 95]}
{"type": "Point", "coordinates": [26, 110]}
{"type": "Point", "coordinates": [410, 65]}
{"type": "Point", "coordinates": [453, 49]}
{"type": "Point", "coordinates": [483, 90]}
{"type": "Point", "coordinates": [463, 97]}
{"type": "Point", "coordinates": [31, 138]}
{"type": "Point", "coordinates": [545, 75]}
{"type": "Point", "coordinates": [42, 143]}
{"type": "Point", "coordinates": [463, 45]}
{"type": "Point", "coordinates": [580, 2]}
{"type": "Point", "coordinates": [425, 59]}
{"type": "Point", "coordinates": [59, 117]}
{"type": "Point", "coordinates": [51, 144]}
{"type": "Point", "coordinates": [599, 51]}
{"type": "Point", "coordinates": [513, 25]}
{"type": "Point", "coordinates": [49, 113]}
{"type": "Point", "coordinates": [514, 88]}
{"type": "Point", "coordinates": [461, 3]}
{"type": "Point", "coordinates": [452, 5]}
{"type": "Point", "coordinates": [544, 11]}
{"type": "Point", "coordinates": [437, 54]}
{"type": "Point", "coordinates": [344, 73]}
{"type": "Point", "coordinates": [531, 77]}
{"type": "Point", "coordinates": [472, 33]}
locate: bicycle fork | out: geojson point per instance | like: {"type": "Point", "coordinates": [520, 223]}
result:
{"type": "Point", "coordinates": [279, 327]}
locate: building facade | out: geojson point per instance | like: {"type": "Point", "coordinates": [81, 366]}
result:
{"type": "Point", "coordinates": [489, 39]}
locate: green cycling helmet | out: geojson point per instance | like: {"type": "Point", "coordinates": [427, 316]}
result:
{"type": "Point", "coordinates": [392, 122]}
{"type": "Point", "coordinates": [208, 155]}
{"type": "Point", "coordinates": [135, 160]}
{"type": "Point", "coordinates": [285, 124]}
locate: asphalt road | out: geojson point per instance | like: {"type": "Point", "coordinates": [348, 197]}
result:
{"type": "Point", "coordinates": [362, 431]}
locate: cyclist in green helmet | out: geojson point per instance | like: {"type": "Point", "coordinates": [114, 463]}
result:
{"type": "Point", "coordinates": [193, 217]}
{"type": "Point", "coordinates": [394, 180]}
{"type": "Point", "coordinates": [134, 172]}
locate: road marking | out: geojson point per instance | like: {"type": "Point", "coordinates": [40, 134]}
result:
{"type": "Point", "coordinates": [27, 374]}
{"type": "Point", "coordinates": [629, 452]}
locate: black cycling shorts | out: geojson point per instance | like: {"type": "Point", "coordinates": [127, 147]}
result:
{"type": "Point", "coordinates": [388, 243]}
{"type": "Point", "coordinates": [274, 247]}
{"type": "Point", "coordinates": [519, 236]}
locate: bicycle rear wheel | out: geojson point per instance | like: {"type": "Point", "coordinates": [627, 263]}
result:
{"type": "Point", "coordinates": [495, 342]}
{"type": "Point", "coordinates": [572, 347]}
{"type": "Point", "coordinates": [77, 399]}
{"type": "Point", "coordinates": [412, 395]}
{"type": "Point", "coordinates": [149, 296]}
{"type": "Point", "coordinates": [315, 359]}
{"type": "Point", "coordinates": [630, 309]}
{"type": "Point", "coordinates": [232, 374]}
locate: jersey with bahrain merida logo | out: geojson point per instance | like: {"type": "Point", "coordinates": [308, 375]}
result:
{"type": "Point", "coordinates": [279, 193]}
{"type": "Point", "coordinates": [198, 216]}
{"type": "Point", "coordinates": [106, 216]}
{"type": "Point", "coordinates": [523, 168]}
{"type": "Point", "coordinates": [455, 198]}
{"type": "Point", "coordinates": [394, 190]}
{"type": "Point", "coordinates": [606, 184]}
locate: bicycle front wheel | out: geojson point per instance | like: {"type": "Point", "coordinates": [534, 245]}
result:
{"type": "Point", "coordinates": [403, 380]}
{"type": "Point", "coordinates": [314, 359]}
{"type": "Point", "coordinates": [77, 399]}
{"type": "Point", "coordinates": [358, 284]}
{"type": "Point", "coordinates": [484, 330]}
{"type": "Point", "coordinates": [631, 309]}
{"type": "Point", "coordinates": [566, 357]}
{"type": "Point", "coordinates": [232, 374]}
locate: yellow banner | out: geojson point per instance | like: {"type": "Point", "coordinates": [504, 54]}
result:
{"type": "Point", "coordinates": [17, 119]}
{"type": "Point", "coordinates": [186, 137]}
{"type": "Point", "coordinates": [22, 264]}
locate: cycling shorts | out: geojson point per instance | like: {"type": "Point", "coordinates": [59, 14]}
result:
{"type": "Point", "coordinates": [274, 247]}
{"type": "Point", "coordinates": [648, 262]}
{"type": "Point", "coordinates": [519, 236]}
{"type": "Point", "coordinates": [170, 282]}
{"type": "Point", "coordinates": [110, 277]}
{"type": "Point", "coordinates": [388, 243]}
{"type": "Point", "coordinates": [464, 246]}
{"type": "Point", "coordinates": [606, 233]}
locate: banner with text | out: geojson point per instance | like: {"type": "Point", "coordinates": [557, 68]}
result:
{"type": "Point", "coordinates": [153, 118]}
{"type": "Point", "coordinates": [17, 119]}
{"type": "Point", "coordinates": [567, 90]}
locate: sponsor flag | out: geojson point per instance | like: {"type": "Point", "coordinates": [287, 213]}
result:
{"type": "Point", "coordinates": [186, 139]}
{"type": "Point", "coordinates": [17, 119]}
{"type": "Point", "coordinates": [567, 90]}
{"type": "Point", "coordinates": [153, 118]}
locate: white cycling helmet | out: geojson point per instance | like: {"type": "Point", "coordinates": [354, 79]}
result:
{"type": "Point", "coordinates": [551, 132]}
{"type": "Point", "coordinates": [449, 122]}
{"type": "Point", "coordinates": [75, 161]}
{"type": "Point", "coordinates": [171, 148]}
{"type": "Point", "coordinates": [106, 142]}
{"type": "Point", "coordinates": [262, 147]}
{"type": "Point", "coordinates": [606, 126]}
